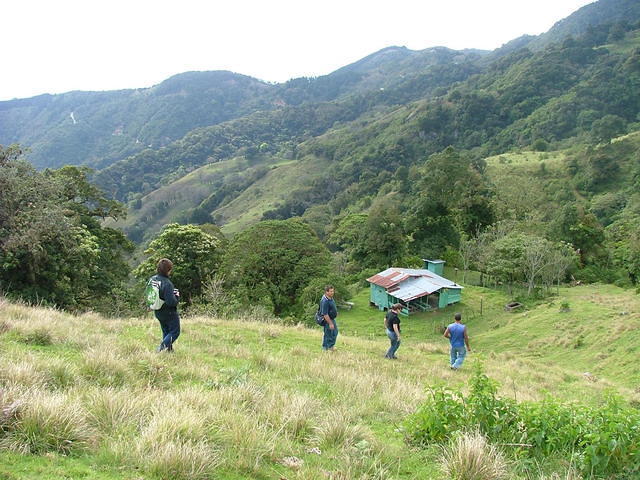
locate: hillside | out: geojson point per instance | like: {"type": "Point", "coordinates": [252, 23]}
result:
{"type": "Point", "coordinates": [567, 94]}
{"type": "Point", "coordinates": [100, 128]}
{"type": "Point", "coordinates": [360, 124]}
{"type": "Point", "coordinates": [259, 400]}
{"type": "Point", "coordinates": [588, 19]}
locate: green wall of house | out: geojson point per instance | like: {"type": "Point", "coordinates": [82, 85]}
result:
{"type": "Point", "coordinates": [449, 296]}
{"type": "Point", "coordinates": [379, 297]}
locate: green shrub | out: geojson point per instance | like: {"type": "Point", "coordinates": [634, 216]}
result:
{"type": "Point", "coordinates": [603, 440]}
{"type": "Point", "coordinates": [441, 415]}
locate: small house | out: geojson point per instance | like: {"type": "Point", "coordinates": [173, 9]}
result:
{"type": "Point", "coordinates": [416, 289]}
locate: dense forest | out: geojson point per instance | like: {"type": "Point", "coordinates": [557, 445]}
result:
{"type": "Point", "coordinates": [521, 163]}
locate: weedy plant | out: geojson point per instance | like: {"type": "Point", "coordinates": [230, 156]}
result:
{"type": "Point", "coordinates": [603, 440]}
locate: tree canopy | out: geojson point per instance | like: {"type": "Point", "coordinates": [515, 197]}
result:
{"type": "Point", "coordinates": [273, 261]}
{"type": "Point", "coordinates": [195, 254]}
{"type": "Point", "coordinates": [53, 249]}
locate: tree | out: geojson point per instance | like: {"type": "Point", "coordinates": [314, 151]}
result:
{"type": "Point", "coordinates": [384, 238]}
{"type": "Point", "coordinates": [562, 258]}
{"type": "Point", "coordinates": [466, 251]}
{"type": "Point", "coordinates": [582, 230]}
{"type": "Point", "coordinates": [607, 127]}
{"type": "Point", "coordinates": [348, 234]}
{"type": "Point", "coordinates": [452, 198]}
{"type": "Point", "coordinates": [195, 255]}
{"type": "Point", "coordinates": [273, 261]}
{"type": "Point", "coordinates": [536, 257]}
{"type": "Point", "coordinates": [52, 246]}
{"type": "Point", "coordinates": [505, 262]}
{"type": "Point", "coordinates": [624, 239]}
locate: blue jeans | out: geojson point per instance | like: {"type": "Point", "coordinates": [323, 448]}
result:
{"type": "Point", "coordinates": [457, 356]}
{"type": "Point", "coordinates": [170, 331]}
{"type": "Point", "coordinates": [395, 344]}
{"type": "Point", "coordinates": [330, 336]}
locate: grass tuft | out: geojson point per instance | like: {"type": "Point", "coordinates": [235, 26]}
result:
{"type": "Point", "coordinates": [48, 423]}
{"type": "Point", "coordinates": [102, 367]}
{"type": "Point", "coordinates": [180, 460]}
{"type": "Point", "coordinates": [39, 336]}
{"type": "Point", "coordinates": [4, 326]}
{"type": "Point", "coordinates": [470, 457]}
{"type": "Point", "coordinates": [112, 410]}
{"type": "Point", "coordinates": [339, 430]}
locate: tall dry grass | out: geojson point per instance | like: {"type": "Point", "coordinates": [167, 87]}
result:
{"type": "Point", "coordinates": [236, 396]}
{"type": "Point", "coordinates": [469, 456]}
{"type": "Point", "coordinates": [48, 422]}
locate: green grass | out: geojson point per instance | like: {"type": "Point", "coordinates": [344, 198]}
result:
{"type": "Point", "coordinates": [240, 399]}
{"type": "Point", "coordinates": [625, 46]}
{"type": "Point", "coordinates": [268, 192]}
{"type": "Point", "coordinates": [524, 158]}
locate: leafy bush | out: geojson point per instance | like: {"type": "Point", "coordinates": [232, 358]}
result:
{"type": "Point", "coordinates": [604, 440]}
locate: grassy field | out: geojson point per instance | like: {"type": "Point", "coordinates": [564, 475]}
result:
{"type": "Point", "coordinates": [83, 397]}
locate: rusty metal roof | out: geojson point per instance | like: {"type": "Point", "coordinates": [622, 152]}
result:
{"type": "Point", "coordinates": [410, 283]}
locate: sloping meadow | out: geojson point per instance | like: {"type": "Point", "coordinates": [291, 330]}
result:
{"type": "Point", "coordinates": [238, 399]}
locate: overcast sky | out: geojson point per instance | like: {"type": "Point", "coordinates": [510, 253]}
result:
{"type": "Point", "coordinates": [55, 46]}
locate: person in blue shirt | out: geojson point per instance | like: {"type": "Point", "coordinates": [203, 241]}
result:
{"type": "Point", "coordinates": [168, 313]}
{"type": "Point", "coordinates": [329, 311]}
{"type": "Point", "coordinates": [459, 339]}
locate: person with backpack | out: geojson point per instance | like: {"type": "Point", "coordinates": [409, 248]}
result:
{"type": "Point", "coordinates": [458, 337]}
{"type": "Point", "coordinates": [329, 312]}
{"type": "Point", "coordinates": [392, 327]}
{"type": "Point", "coordinates": [163, 299]}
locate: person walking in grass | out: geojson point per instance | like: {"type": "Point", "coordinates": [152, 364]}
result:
{"type": "Point", "coordinates": [167, 315]}
{"type": "Point", "coordinates": [329, 311]}
{"type": "Point", "coordinates": [459, 339]}
{"type": "Point", "coordinates": [392, 326]}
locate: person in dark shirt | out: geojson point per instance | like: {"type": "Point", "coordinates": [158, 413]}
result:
{"type": "Point", "coordinates": [167, 315]}
{"type": "Point", "coordinates": [329, 311]}
{"type": "Point", "coordinates": [392, 325]}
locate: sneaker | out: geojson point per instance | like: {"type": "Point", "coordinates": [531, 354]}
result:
{"type": "Point", "coordinates": [160, 348]}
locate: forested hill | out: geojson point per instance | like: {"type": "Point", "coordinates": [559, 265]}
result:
{"type": "Point", "coordinates": [587, 19]}
{"type": "Point", "coordinates": [477, 158]}
{"type": "Point", "coordinates": [222, 147]}
{"type": "Point", "coordinates": [99, 128]}
{"type": "Point", "coordinates": [294, 160]}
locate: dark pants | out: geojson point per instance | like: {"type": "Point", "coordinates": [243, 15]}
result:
{"type": "Point", "coordinates": [330, 336]}
{"type": "Point", "coordinates": [170, 325]}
